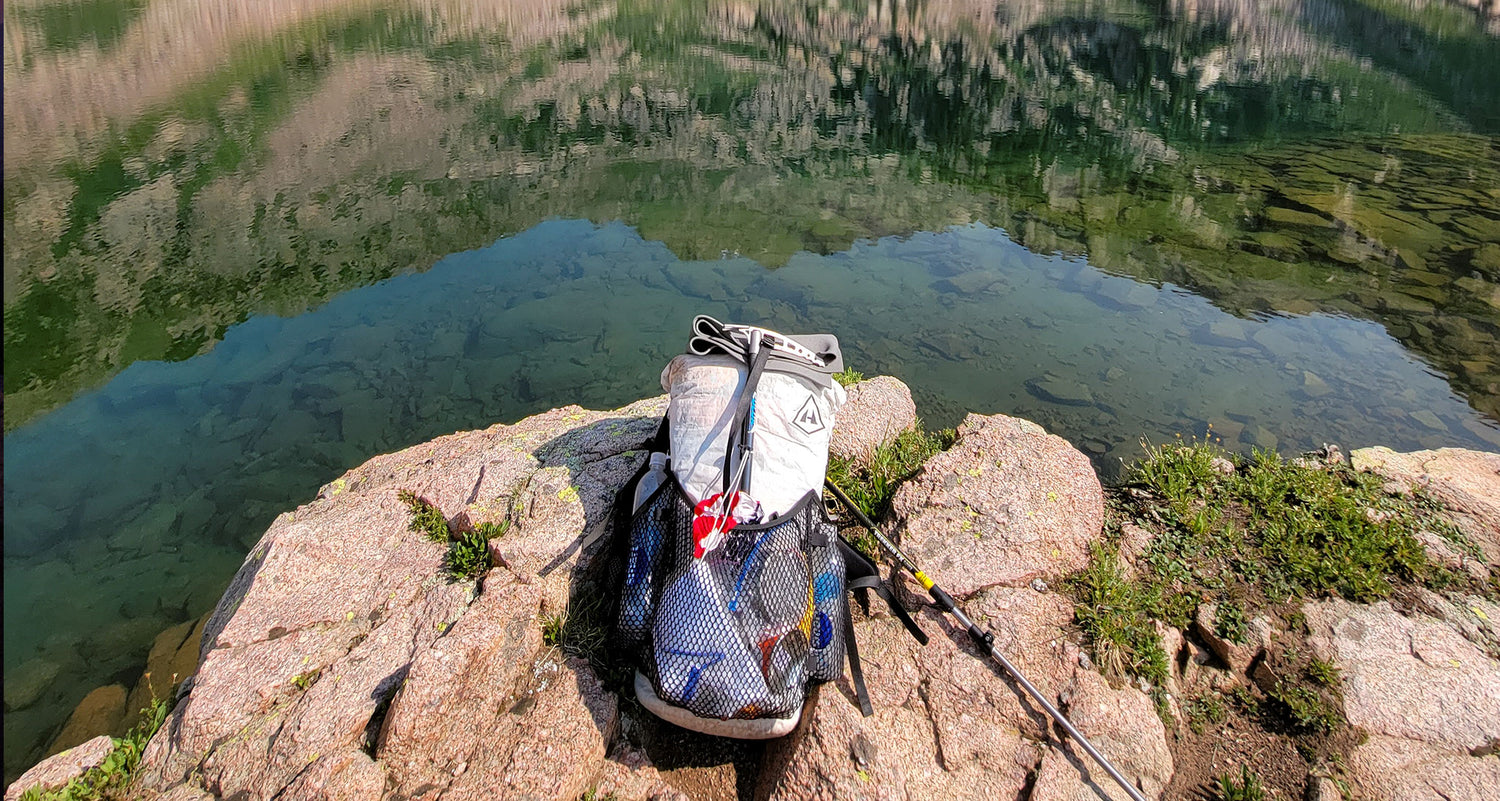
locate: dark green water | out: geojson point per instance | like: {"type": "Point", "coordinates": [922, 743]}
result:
{"type": "Point", "coordinates": [246, 251]}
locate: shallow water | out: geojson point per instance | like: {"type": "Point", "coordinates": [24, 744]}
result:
{"type": "Point", "coordinates": [240, 268]}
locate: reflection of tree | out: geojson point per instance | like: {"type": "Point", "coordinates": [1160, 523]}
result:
{"type": "Point", "coordinates": [307, 166]}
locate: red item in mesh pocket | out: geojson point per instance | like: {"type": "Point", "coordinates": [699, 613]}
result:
{"type": "Point", "coordinates": [710, 522]}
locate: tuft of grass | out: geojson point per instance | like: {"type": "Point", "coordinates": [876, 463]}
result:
{"type": "Point", "coordinates": [1247, 787]}
{"type": "Point", "coordinates": [425, 518]}
{"type": "Point", "coordinates": [872, 485]}
{"type": "Point", "coordinates": [848, 377]}
{"type": "Point", "coordinates": [111, 780]}
{"type": "Point", "coordinates": [1114, 615]}
{"type": "Point", "coordinates": [492, 531]}
{"type": "Point", "coordinates": [303, 681]}
{"type": "Point", "coordinates": [581, 630]}
{"type": "Point", "coordinates": [1324, 673]}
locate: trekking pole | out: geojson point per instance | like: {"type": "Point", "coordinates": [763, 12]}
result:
{"type": "Point", "coordinates": [984, 639]}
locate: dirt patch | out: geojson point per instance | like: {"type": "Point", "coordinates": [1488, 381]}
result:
{"type": "Point", "coordinates": [1201, 758]}
{"type": "Point", "coordinates": [702, 767]}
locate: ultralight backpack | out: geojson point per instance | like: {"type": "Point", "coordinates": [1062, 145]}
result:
{"type": "Point", "coordinates": [733, 583]}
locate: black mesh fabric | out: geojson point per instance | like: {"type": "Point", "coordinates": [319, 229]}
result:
{"type": "Point", "coordinates": [740, 632]}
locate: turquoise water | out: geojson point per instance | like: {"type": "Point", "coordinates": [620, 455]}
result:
{"type": "Point", "coordinates": [238, 268]}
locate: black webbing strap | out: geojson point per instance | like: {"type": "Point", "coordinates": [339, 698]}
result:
{"type": "Point", "coordinates": [661, 442]}
{"type": "Point", "coordinates": [741, 411]}
{"type": "Point", "coordinates": [862, 574]}
{"type": "Point", "coordinates": [856, 672]}
{"type": "Point", "coordinates": [874, 583]}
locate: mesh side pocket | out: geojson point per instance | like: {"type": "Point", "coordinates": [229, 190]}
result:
{"type": "Point", "coordinates": [830, 602]}
{"type": "Point", "coordinates": [732, 632]}
{"type": "Point", "coordinates": [653, 531]}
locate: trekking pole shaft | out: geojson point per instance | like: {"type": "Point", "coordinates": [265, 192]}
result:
{"type": "Point", "coordinates": [984, 640]}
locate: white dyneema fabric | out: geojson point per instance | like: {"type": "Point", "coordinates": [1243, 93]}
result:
{"type": "Point", "coordinates": [793, 422]}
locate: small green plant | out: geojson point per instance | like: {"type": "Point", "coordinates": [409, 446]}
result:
{"type": "Point", "coordinates": [1247, 787]}
{"type": "Point", "coordinates": [425, 517]}
{"type": "Point", "coordinates": [1304, 708]}
{"type": "Point", "coordinates": [112, 778]}
{"type": "Point", "coordinates": [303, 681]}
{"type": "Point", "coordinates": [1204, 710]}
{"type": "Point", "coordinates": [1324, 673]}
{"type": "Point", "coordinates": [468, 557]}
{"type": "Point", "coordinates": [1300, 530]}
{"type": "Point", "coordinates": [849, 377]}
{"type": "Point", "coordinates": [492, 531]}
{"type": "Point", "coordinates": [1244, 700]}
{"type": "Point", "coordinates": [1229, 622]}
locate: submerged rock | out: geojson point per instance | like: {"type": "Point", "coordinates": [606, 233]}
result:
{"type": "Point", "coordinates": [1064, 391]}
{"type": "Point", "coordinates": [25, 684]}
{"type": "Point", "coordinates": [100, 712]}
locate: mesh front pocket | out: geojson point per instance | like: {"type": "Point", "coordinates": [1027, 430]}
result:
{"type": "Point", "coordinates": [733, 634]}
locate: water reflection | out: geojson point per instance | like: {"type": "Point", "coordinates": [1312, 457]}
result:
{"type": "Point", "coordinates": [289, 154]}
{"type": "Point", "coordinates": [1281, 219]}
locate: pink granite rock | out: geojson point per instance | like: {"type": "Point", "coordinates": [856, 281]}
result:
{"type": "Point", "coordinates": [1006, 504]}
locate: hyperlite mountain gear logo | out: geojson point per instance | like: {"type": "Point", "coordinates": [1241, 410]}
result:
{"type": "Point", "coordinates": [808, 418]}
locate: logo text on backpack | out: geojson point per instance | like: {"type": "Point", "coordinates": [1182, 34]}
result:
{"type": "Point", "coordinates": [808, 418]}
